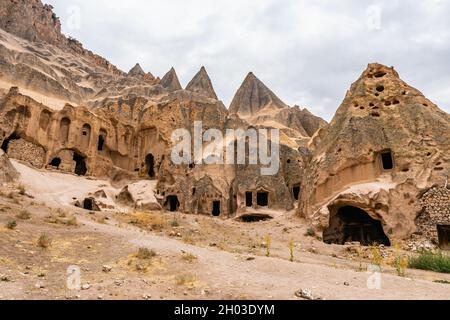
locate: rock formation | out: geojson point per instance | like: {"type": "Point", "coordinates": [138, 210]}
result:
{"type": "Point", "coordinates": [377, 173]}
{"type": "Point", "coordinates": [202, 84]}
{"type": "Point", "coordinates": [7, 171]}
{"type": "Point", "coordinates": [385, 143]}
{"type": "Point", "coordinates": [253, 96]}
{"type": "Point", "coordinates": [170, 81]}
{"type": "Point", "coordinates": [136, 71]}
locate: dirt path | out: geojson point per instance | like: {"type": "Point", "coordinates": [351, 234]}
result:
{"type": "Point", "coordinates": [274, 278]}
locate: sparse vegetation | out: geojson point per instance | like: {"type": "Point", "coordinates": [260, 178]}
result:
{"type": "Point", "coordinates": [145, 253]}
{"type": "Point", "coordinates": [24, 215]}
{"type": "Point", "coordinates": [291, 250]}
{"type": "Point", "coordinates": [72, 221]}
{"type": "Point", "coordinates": [174, 223]}
{"type": "Point", "coordinates": [359, 254]}
{"type": "Point", "coordinates": [433, 261]}
{"type": "Point", "coordinates": [154, 222]}
{"type": "Point", "coordinates": [442, 281]}
{"type": "Point", "coordinates": [268, 243]}
{"type": "Point", "coordinates": [310, 232]}
{"type": "Point", "coordinates": [21, 189]}
{"type": "Point", "coordinates": [400, 261]}
{"type": "Point", "coordinates": [189, 257]}
{"type": "Point", "coordinates": [376, 258]}
{"type": "Point", "coordinates": [11, 225]}
{"type": "Point", "coordinates": [44, 241]}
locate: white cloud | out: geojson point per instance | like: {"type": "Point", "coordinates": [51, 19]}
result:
{"type": "Point", "coordinates": [306, 51]}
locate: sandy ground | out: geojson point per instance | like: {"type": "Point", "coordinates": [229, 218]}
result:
{"type": "Point", "coordinates": [191, 257]}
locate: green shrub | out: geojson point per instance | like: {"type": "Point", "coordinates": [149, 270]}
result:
{"type": "Point", "coordinates": [310, 232]}
{"type": "Point", "coordinates": [145, 253]}
{"type": "Point", "coordinates": [437, 262]}
{"type": "Point", "coordinates": [11, 225]}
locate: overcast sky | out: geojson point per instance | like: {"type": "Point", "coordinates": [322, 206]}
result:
{"type": "Point", "coordinates": [307, 51]}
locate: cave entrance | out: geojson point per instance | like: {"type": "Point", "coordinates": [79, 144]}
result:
{"type": "Point", "coordinates": [216, 208]}
{"type": "Point", "coordinates": [6, 142]}
{"type": "Point", "coordinates": [254, 217]}
{"type": "Point", "coordinates": [80, 164]}
{"type": "Point", "coordinates": [101, 143]}
{"type": "Point", "coordinates": [56, 162]}
{"type": "Point", "coordinates": [352, 224]}
{"type": "Point", "coordinates": [444, 236]}
{"type": "Point", "coordinates": [172, 203]}
{"type": "Point", "coordinates": [88, 204]}
{"type": "Point", "coordinates": [248, 199]}
{"type": "Point", "coordinates": [262, 199]}
{"type": "Point", "coordinates": [150, 163]}
{"type": "Point", "coordinates": [296, 192]}
{"type": "Point", "coordinates": [387, 160]}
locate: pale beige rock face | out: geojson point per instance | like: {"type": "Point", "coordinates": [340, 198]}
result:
{"type": "Point", "coordinates": [7, 171]}
{"type": "Point", "coordinates": [202, 84]}
{"type": "Point", "coordinates": [380, 113]}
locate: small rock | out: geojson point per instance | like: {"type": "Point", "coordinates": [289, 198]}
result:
{"type": "Point", "coordinates": [146, 296]}
{"type": "Point", "coordinates": [40, 285]}
{"type": "Point", "coordinates": [99, 297]}
{"type": "Point", "coordinates": [85, 286]}
{"type": "Point", "coordinates": [106, 268]}
{"type": "Point", "coordinates": [346, 284]}
{"type": "Point", "coordinates": [251, 258]}
{"type": "Point", "coordinates": [118, 283]}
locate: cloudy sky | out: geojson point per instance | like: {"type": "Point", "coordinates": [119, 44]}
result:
{"type": "Point", "coordinates": [307, 51]}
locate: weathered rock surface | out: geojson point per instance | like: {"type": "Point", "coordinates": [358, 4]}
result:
{"type": "Point", "coordinates": [253, 96]}
{"type": "Point", "coordinates": [170, 81]}
{"type": "Point", "coordinates": [385, 143]}
{"type": "Point", "coordinates": [7, 171]}
{"type": "Point", "coordinates": [202, 84]}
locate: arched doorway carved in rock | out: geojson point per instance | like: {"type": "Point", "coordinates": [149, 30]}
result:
{"type": "Point", "coordinates": [352, 224]}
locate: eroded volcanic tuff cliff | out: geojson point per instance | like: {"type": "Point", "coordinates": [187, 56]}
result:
{"type": "Point", "coordinates": [386, 143]}
{"type": "Point", "coordinates": [381, 167]}
{"type": "Point", "coordinates": [66, 108]}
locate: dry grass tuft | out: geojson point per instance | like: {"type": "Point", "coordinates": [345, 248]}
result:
{"type": "Point", "coordinates": [154, 222]}
{"type": "Point", "coordinates": [24, 215]}
{"type": "Point", "coordinates": [44, 241]}
{"type": "Point", "coordinates": [189, 257]}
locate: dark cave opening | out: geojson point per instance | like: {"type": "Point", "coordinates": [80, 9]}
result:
{"type": "Point", "coordinates": [172, 203]}
{"type": "Point", "coordinates": [150, 164]}
{"type": "Point", "coordinates": [262, 199]}
{"type": "Point", "coordinates": [254, 217]}
{"type": "Point", "coordinates": [352, 224]}
{"type": "Point", "coordinates": [80, 164]}
{"type": "Point", "coordinates": [444, 236]}
{"type": "Point", "coordinates": [387, 160]}
{"type": "Point", "coordinates": [216, 208]}
{"type": "Point", "coordinates": [6, 142]}
{"type": "Point", "coordinates": [248, 199]}
{"type": "Point", "coordinates": [296, 192]}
